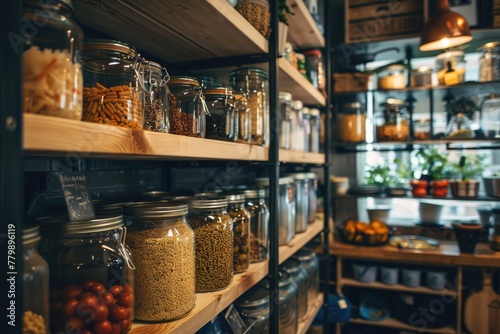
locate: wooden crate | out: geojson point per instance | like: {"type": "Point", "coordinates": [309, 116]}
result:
{"type": "Point", "coordinates": [351, 82]}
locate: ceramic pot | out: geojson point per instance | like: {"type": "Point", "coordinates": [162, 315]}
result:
{"type": "Point", "coordinates": [464, 189]}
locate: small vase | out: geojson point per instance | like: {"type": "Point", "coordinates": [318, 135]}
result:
{"type": "Point", "coordinates": [418, 188]}
{"type": "Point", "coordinates": [459, 127]}
{"type": "Point", "coordinates": [439, 188]}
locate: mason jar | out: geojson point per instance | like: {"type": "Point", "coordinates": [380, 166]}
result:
{"type": "Point", "coordinates": [297, 271]}
{"type": "Point", "coordinates": [187, 107]}
{"type": "Point", "coordinates": [52, 74]}
{"type": "Point", "coordinates": [89, 268]}
{"type": "Point", "coordinates": [259, 222]}
{"type": "Point", "coordinates": [306, 127]}
{"type": "Point", "coordinates": [162, 243]}
{"type": "Point", "coordinates": [315, 120]}
{"type": "Point", "coordinates": [392, 122]}
{"type": "Point", "coordinates": [285, 100]}
{"type": "Point", "coordinates": [352, 123]}
{"type": "Point", "coordinates": [313, 198]}
{"type": "Point", "coordinates": [297, 131]}
{"type": "Point", "coordinates": [244, 118]}
{"type": "Point", "coordinates": [310, 261]}
{"type": "Point", "coordinates": [156, 97]}
{"type": "Point", "coordinates": [35, 284]}
{"type": "Point", "coordinates": [241, 231]}
{"type": "Point", "coordinates": [489, 62]}
{"type": "Point", "coordinates": [253, 306]}
{"type": "Point", "coordinates": [301, 188]}
{"type": "Point", "coordinates": [221, 121]}
{"type": "Point", "coordinates": [213, 235]}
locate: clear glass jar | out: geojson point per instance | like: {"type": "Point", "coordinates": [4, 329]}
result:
{"type": "Point", "coordinates": [315, 68]}
{"type": "Point", "coordinates": [253, 306]}
{"type": "Point", "coordinates": [90, 269]}
{"type": "Point", "coordinates": [489, 62]}
{"type": "Point", "coordinates": [187, 107]}
{"type": "Point", "coordinates": [422, 129]}
{"type": "Point", "coordinates": [113, 84]}
{"type": "Point", "coordinates": [312, 200]}
{"type": "Point", "coordinates": [52, 75]}
{"type": "Point", "coordinates": [108, 208]}
{"type": "Point", "coordinates": [392, 122]}
{"type": "Point", "coordinates": [222, 121]}
{"type": "Point", "coordinates": [241, 231]}
{"type": "Point", "coordinates": [259, 222]}
{"type": "Point", "coordinates": [392, 77]}
{"type": "Point", "coordinates": [213, 235]}
{"type": "Point", "coordinates": [450, 67]}
{"type": "Point", "coordinates": [490, 116]}
{"type": "Point", "coordinates": [244, 118]}
{"type": "Point", "coordinates": [459, 127]}
{"type": "Point", "coordinates": [421, 77]}
{"type": "Point", "coordinates": [297, 271]}
{"type": "Point", "coordinates": [309, 260]}
{"type": "Point", "coordinates": [285, 100]}
{"type": "Point", "coordinates": [35, 284]}
{"type": "Point", "coordinates": [253, 83]}
{"type": "Point", "coordinates": [297, 127]}
{"type": "Point", "coordinates": [301, 188]}
{"type": "Point", "coordinates": [306, 128]}
{"type": "Point", "coordinates": [162, 243]}
{"type": "Point", "coordinates": [352, 123]}
{"type": "Point", "coordinates": [156, 97]}
{"type": "Point", "coordinates": [315, 130]}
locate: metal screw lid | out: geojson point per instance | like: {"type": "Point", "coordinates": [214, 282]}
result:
{"type": "Point", "coordinates": [31, 234]}
{"type": "Point", "coordinates": [208, 202]}
{"type": "Point", "coordinates": [254, 193]}
{"type": "Point", "coordinates": [110, 45]}
{"type": "Point", "coordinates": [183, 80]}
{"type": "Point", "coordinates": [63, 226]}
{"type": "Point", "coordinates": [257, 295]}
{"type": "Point", "coordinates": [291, 266]}
{"type": "Point", "coordinates": [304, 254]}
{"type": "Point", "coordinates": [250, 71]}
{"type": "Point", "coordinates": [158, 209]}
{"type": "Point", "coordinates": [233, 198]}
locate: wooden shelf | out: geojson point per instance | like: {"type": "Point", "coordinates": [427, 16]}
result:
{"type": "Point", "coordinates": [313, 308]}
{"type": "Point", "coordinates": [300, 240]}
{"type": "Point", "coordinates": [397, 287]}
{"type": "Point", "coordinates": [304, 157]}
{"type": "Point", "coordinates": [426, 198]}
{"type": "Point", "coordinates": [393, 323]}
{"type": "Point", "coordinates": [302, 29]}
{"type": "Point", "coordinates": [290, 80]}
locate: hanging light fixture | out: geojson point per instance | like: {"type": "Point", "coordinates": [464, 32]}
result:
{"type": "Point", "coordinates": [445, 29]}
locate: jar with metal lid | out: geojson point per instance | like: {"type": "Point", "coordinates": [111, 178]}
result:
{"type": "Point", "coordinates": [253, 306]}
{"type": "Point", "coordinates": [422, 129]}
{"type": "Point", "coordinates": [244, 118]}
{"type": "Point", "coordinates": [450, 67]}
{"type": "Point", "coordinates": [241, 231]}
{"type": "Point", "coordinates": [306, 127]}
{"type": "Point", "coordinates": [301, 188]}
{"type": "Point", "coordinates": [221, 121]}
{"type": "Point", "coordinates": [490, 116]}
{"type": "Point", "coordinates": [52, 75]}
{"type": "Point", "coordinates": [113, 84]}
{"type": "Point", "coordinates": [495, 232]}
{"type": "Point", "coordinates": [312, 198]}
{"type": "Point", "coordinates": [35, 284]}
{"type": "Point", "coordinates": [392, 122]}
{"type": "Point", "coordinates": [156, 97]}
{"type": "Point", "coordinates": [315, 69]}
{"type": "Point", "coordinates": [352, 123]}
{"type": "Point", "coordinates": [489, 62]}
{"type": "Point", "coordinates": [297, 127]}
{"type": "Point", "coordinates": [162, 243]}
{"type": "Point", "coordinates": [285, 100]}
{"type": "Point", "coordinates": [310, 261]}
{"type": "Point", "coordinates": [213, 236]}
{"type": "Point", "coordinates": [421, 77]}
{"type": "Point", "coordinates": [253, 83]}
{"type": "Point", "coordinates": [187, 107]}
{"type": "Point", "coordinates": [315, 130]}
{"type": "Point", "coordinates": [108, 208]}
{"type": "Point", "coordinates": [90, 269]}
{"type": "Point", "coordinates": [295, 269]}
{"type": "Point", "coordinates": [259, 222]}
{"type": "Point", "coordinates": [392, 77]}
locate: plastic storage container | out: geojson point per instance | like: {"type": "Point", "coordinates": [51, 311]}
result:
{"type": "Point", "coordinates": [302, 189]}
{"type": "Point", "coordinates": [162, 244]}
{"type": "Point", "coordinates": [392, 122]}
{"type": "Point", "coordinates": [156, 97]}
{"type": "Point", "coordinates": [352, 123]}
{"type": "Point", "coordinates": [241, 231]}
{"type": "Point", "coordinates": [490, 116]}
{"type": "Point", "coordinates": [310, 261]}
{"type": "Point", "coordinates": [259, 222]}
{"type": "Point", "coordinates": [392, 77]}
{"type": "Point", "coordinates": [295, 269]}
{"type": "Point", "coordinates": [489, 62]}
{"type": "Point", "coordinates": [222, 121]}
{"type": "Point", "coordinates": [113, 84]}
{"type": "Point", "coordinates": [450, 67]}
{"type": "Point", "coordinates": [297, 130]}
{"type": "Point", "coordinates": [253, 307]}
{"type": "Point", "coordinates": [315, 130]}
{"type": "Point", "coordinates": [52, 74]}
{"type": "Point", "coordinates": [285, 100]}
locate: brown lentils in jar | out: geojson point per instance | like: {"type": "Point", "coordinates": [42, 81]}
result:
{"type": "Point", "coordinates": [241, 231]}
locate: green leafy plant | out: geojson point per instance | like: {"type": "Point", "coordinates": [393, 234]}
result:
{"type": "Point", "coordinates": [469, 167]}
{"type": "Point", "coordinates": [431, 164]}
{"type": "Point", "coordinates": [284, 10]}
{"type": "Point", "coordinates": [393, 174]}
{"type": "Point", "coordinates": [462, 105]}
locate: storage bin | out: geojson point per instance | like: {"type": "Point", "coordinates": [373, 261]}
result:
{"type": "Point", "coordinates": [435, 279]}
{"type": "Point", "coordinates": [411, 277]}
{"type": "Point", "coordinates": [364, 272]}
{"type": "Point", "coordinates": [389, 275]}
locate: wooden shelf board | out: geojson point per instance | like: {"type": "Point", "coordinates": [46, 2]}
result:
{"type": "Point", "coordinates": [301, 157]}
{"type": "Point", "coordinates": [313, 308]}
{"type": "Point", "coordinates": [302, 29]}
{"type": "Point", "coordinates": [393, 323]}
{"type": "Point", "coordinates": [397, 287]}
{"type": "Point", "coordinates": [300, 240]}
{"type": "Point", "coordinates": [290, 80]}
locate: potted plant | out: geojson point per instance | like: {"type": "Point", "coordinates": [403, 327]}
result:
{"type": "Point", "coordinates": [392, 176]}
{"type": "Point", "coordinates": [460, 113]}
{"type": "Point", "coordinates": [432, 172]}
{"type": "Point", "coordinates": [468, 170]}
{"type": "Point", "coordinates": [283, 12]}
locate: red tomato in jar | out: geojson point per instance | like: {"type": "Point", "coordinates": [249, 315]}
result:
{"type": "Point", "coordinates": [127, 288]}
{"type": "Point", "coordinates": [97, 288]}
{"type": "Point", "coordinates": [69, 307]}
{"type": "Point", "coordinates": [89, 301]}
{"type": "Point", "coordinates": [87, 283]}
{"type": "Point", "coordinates": [71, 291]}
{"type": "Point", "coordinates": [107, 299]}
{"type": "Point", "coordinates": [103, 327]}
{"type": "Point", "coordinates": [126, 324]}
{"type": "Point", "coordinates": [73, 324]}
{"type": "Point", "coordinates": [101, 312]}
{"type": "Point", "coordinates": [116, 290]}
{"type": "Point", "coordinates": [119, 313]}
{"type": "Point", "coordinates": [125, 299]}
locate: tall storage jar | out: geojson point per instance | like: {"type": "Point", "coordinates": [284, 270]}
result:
{"type": "Point", "coordinates": [392, 122]}
{"type": "Point", "coordinates": [315, 130]}
{"type": "Point", "coordinates": [156, 97]}
{"type": "Point", "coordinates": [35, 284]}
{"type": "Point", "coordinates": [222, 121]}
{"type": "Point", "coordinates": [285, 100]}
{"type": "Point", "coordinates": [113, 84]}
{"type": "Point", "coordinates": [310, 261]}
{"type": "Point", "coordinates": [352, 123]}
{"type": "Point", "coordinates": [187, 107]}
{"type": "Point", "coordinates": [312, 200]}
{"type": "Point", "coordinates": [301, 188]}
{"type": "Point", "coordinates": [52, 75]}
{"type": "Point", "coordinates": [253, 306]}
{"type": "Point", "coordinates": [90, 269]}
{"type": "Point", "coordinates": [306, 127]}
{"type": "Point", "coordinates": [244, 118]}
{"type": "Point", "coordinates": [297, 271]}
{"type": "Point", "coordinates": [162, 243]}
{"type": "Point", "coordinates": [489, 62]}
{"type": "Point", "coordinates": [297, 132]}
{"type": "Point", "coordinates": [213, 235]}
{"type": "Point", "coordinates": [490, 116]}
{"type": "Point", "coordinates": [259, 222]}
{"type": "Point", "coordinates": [241, 231]}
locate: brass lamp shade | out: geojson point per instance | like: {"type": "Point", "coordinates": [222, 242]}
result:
{"type": "Point", "coordinates": [445, 29]}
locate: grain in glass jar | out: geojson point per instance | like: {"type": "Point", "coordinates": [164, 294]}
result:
{"type": "Point", "coordinates": [90, 269]}
{"type": "Point", "coordinates": [162, 243]}
{"type": "Point", "coordinates": [285, 100]}
{"type": "Point", "coordinates": [352, 123]}
{"type": "Point", "coordinates": [253, 306]}
{"type": "Point", "coordinates": [52, 75]}
{"type": "Point", "coordinates": [297, 271]}
{"type": "Point", "coordinates": [187, 107]}
{"type": "Point", "coordinates": [259, 221]}
{"type": "Point", "coordinates": [392, 77]}
{"type": "Point", "coordinates": [35, 284]}
{"type": "Point", "coordinates": [244, 118]}
{"type": "Point", "coordinates": [392, 122]}
{"type": "Point", "coordinates": [156, 97]}
{"type": "Point", "coordinates": [315, 130]}
{"type": "Point", "coordinates": [221, 121]}
{"type": "Point", "coordinates": [241, 231]}
{"type": "Point", "coordinates": [489, 62]}
{"type": "Point", "coordinates": [213, 234]}
{"type": "Point", "coordinates": [310, 261]}
{"type": "Point", "coordinates": [297, 130]}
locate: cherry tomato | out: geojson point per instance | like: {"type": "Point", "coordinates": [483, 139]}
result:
{"type": "Point", "coordinates": [73, 324]}
{"type": "Point", "coordinates": [127, 288]}
{"type": "Point", "coordinates": [115, 290]}
{"type": "Point", "coordinates": [125, 299]}
{"type": "Point", "coordinates": [89, 301]}
{"type": "Point", "coordinates": [87, 284]}
{"type": "Point", "coordinates": [116, 328]}
{"type": "Point", "coordinates": [119, 313]}
{"type": "Point", "coordinates": [69, 307]}
{"type": "Point", "coordinates": [101, 312]}
{"type": "Point", "coordinates": [107, 299]}
{"type": "Point", "coordinates": [103, 327]}
{"type": "Point", "coordinates": [97, 288]}
{"type": "Point", "coordinates": [71, 291]}
{"type": "Point", "coordinates": [55, 305]}
{"type": "Point", "coordinates": [126, 324]}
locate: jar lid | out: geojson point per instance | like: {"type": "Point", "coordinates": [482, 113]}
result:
{"type": "Point", "coordinates": [315, 52]}
{"type": "Point", "coordinates": [256, 296]}
{"type": "Point", "coordinates": [304, 254]}
{"type": "Point", "coordinates": [298, 176]}
{"type": "Point", "coordinates": [208, 202]}
{"type": "Point", "coordinates": [254, 193]}
{"type": "Point", "coordinates": [156, 209]}
{"type": "Point", "coordinates": [489, 46]}
{"type": "Point", "coordinates": [393, 102]}
{"type": "Point", "coordinates": [306, 111]}
{"type": "Point", "coordinates": [235, 197]}
{"type": "Point", "coordinates": [151, 65]}
{"type": "Point", "coordinates": [264, 181]}
{"type": "Point", "coordinates": [219, 90]}
{"type": "Point", "coordinates": [311, 175]}
{"type": "Point", "coordinates": [297, 104]}
{"type": "Point", "coordinates": [62, 226]}
{"type": "Point", "coordinates": [31, 234]}
{"type": "Point", "coordinates": [250, 71]}
{"type": "Point", "coordinates": [422, 70]}
{"type": "Point", "coordinates": [102, 207]}
{"type": "Point", "coordinates": [291, 266]}
{"type": "Point", "coordinates": [314, 112]}
{"type": "Point", "coordinates": [156, 195]}
{"type": "Point", "coordinates": [449, 54]}
{"type": "Point", "coordinates": [183, 80]}
{"type": "Point", "coordinates": [110, 45]}
{"type": "Point", "coordinates": [285, 96]}
{"type": "Point", "coordinates": [353, 105]}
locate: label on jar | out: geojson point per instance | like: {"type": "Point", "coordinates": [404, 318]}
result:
{"type": "Point", "coordinates": [76, 195]}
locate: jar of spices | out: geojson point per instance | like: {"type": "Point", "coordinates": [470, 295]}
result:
{"type": "Point", "coordinates": [312, 200]}
{"type": "Point", "coordinates": [392, 77]}
{"type": "Point", "coordinates": [35, 284]}
{"type": "Point", "coordinates": [162, 243]}
{"type": "Point", "coordinates": [156, 97]}
{"type": "Point", "coordinates": [315, 130]}
{"type": "Point", "coordinates": [422, 129]}
{"type": "Point", "coordinates": [306, 127]}
{"type": "Point", "coordinates": [113, 84]}
{"type": "Point", "coordinates": [52, 75]}
{"type": "Point", "coordinates": [90, 269]}
{"type": "Point", "coordinates": [253, 83]}
{"type": "Point", "coordinates": [259, 221]}
{"type": "Point", "coordinates": [309, 260]}
{"type": "Point", "coordinates": [315, 69]}
{"type": "Point", "coordinates": [187, 107]}
{"type": "Point", "coordinates": [297, 124]}
{"type": "Point", "coordinates": [301, 188]}
{"type": "Point", "coordinates": [392, 122]}
{"type": "Point", "coordinates": [213, 235]}
{"type": "Point", "coordinates": [285, 100]}
{"type": "Point", "coordinates": [253, 306]}
{"type": "Point", "coordinates": [244, 118]}
{"type": "Point", "coordinates": [489, 62]}
{"type": "Point", "coordinates": [241, 231]}
{"type": "Point", "coordinates": [297, 271]}
{"type": "Point", "coordinates": [352, 123]}
{"type": "Point", "coordinates": [221, 121]}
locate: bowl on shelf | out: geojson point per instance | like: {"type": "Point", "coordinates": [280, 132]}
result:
{"type": "Point", "coordinates": [374, 308]}
{"type": "Point", "coordinates": [380, 213]}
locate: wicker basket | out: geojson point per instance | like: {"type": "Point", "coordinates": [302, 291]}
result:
{"type": "Point", "coordinates": [351, 82]}
{"type": "Point", "coordinates": [257, 13]}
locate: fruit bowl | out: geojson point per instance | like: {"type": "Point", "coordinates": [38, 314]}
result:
{"type": "Point", "coordinates": [375, 233]}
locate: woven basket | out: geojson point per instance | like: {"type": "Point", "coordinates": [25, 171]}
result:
{"type": "Point", "coordinates": [351, 82]}
{"type": "Point", "coordinates": [257, 13]}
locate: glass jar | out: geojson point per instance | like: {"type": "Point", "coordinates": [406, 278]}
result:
{"type": "Point", "coordinates": [301, 188]}
{"type": "Point", "coordinates": [309, 260]}
{"type": "Point", "coordinates": [450, 67]}
{"type": "Point", "coordinates": [52, 75]}
{"type": "Point", "coordinates": [459, 127]}
{"type": "Point", "coordinates": [312, 200]}
{"type": "Point", "coordinates": [187, 107]}
{"type": "Point", "coordinates": [253, 306]}
{"type": "Point", "coordinates": [489, 62]}
{"type": "Point", "coordinates": [297, 271]}
{"type": "Point", "coordinates": [113, 84]}
{"type": "Point", "coordinates": [213, 235]}
{"type": "Point", "coordinates": [495, 232]}
{"type": "Point", "coordinates": [306, 113]}
{"type": "Point", "coordinates": [301, 64]}
{"type": "Point", "coordinates": [315, 69]}
{"type": "Point", "coordinates": [315, 130]}
{"type": "Point", "coordinates": [297, 127]}
{"type": "Point", "coordinates": [422, 129]}
{"type": "Point", "coordinates": [421, 77]}
{"type": "Point", "coordinates": [285, 100]}
{"type": "Point", "coordinates": [89, 265]}
{"type": "Point", "coordinates": [156, 97]}
{"type": "Point", "coordinates": [392, 122]}
{"type": "Point", "coordinates": [162, 243]}
{"type": "Point", "coordinates": [253, 83]}
{"type": "Point", "coordinates": [392, 77]}
{"type": "Point", "coordinates": [244, 118]}
{"type": "Point", "coordinates": [259, 222]}
{"type": "Point", "coordinates": [352, 123]}
{"type": "Point", "coordinates": [35, 284]}
{"type": "Point", "coordinates": [241, 231]}
{"type": "Point", "coordinates": [221, 121]}
{"type": "Point", "coordinates": [490, 116]}
{"type": "Point", "coordinates": [108, 208]}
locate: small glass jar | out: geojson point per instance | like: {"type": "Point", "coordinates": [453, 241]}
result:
{"type": "Point", "coordinates": [301, 188]}
{"type": "Point", "coordinates": [241, 231]}
{"type": "Point", "coordinates": [352, 123]}
{"type": "Point", "coordinates": [162, 243]}
{"type": "Point", "coordinates": [244, 118]}
{"type": "Point", "coordinates": [450, 67]}
{"type": "Point", "coordinates": [309, 260]}
{"type": "Point", "coordinates": [285, 100]}
{"type": "Point", "coordinates": [312, 198]}
{"type": "Point", "coordinates": [315, 68]}
{"type": "Point", "coordinates": [113, 84]}
{"type": "Point", "coordinates": [52, 75]}
{"type": "Point", "coordinates": [490, 116]}
{"type": "Point", "coordinates": [35, 284]}
{"type": "Point", "coordinates": [89, 265]}
{"type": "Point", "coordinates": [297, 127]}
{"type": "Point", "coordinates": [392, 77]}
{"type": "Point", "coordinates": [421, 77]}
{"type": "Point", "coordinates": [187, 107]}
{"type": "Point", "coordinates": [489, 62]}
{"type": "Point", "coordinates": [259, 221]}
{"type": "Point", "coordinates": [306, 113]}
{"type": "Point", "coordinates": [297, 271]}
{"type": "Point", "coordinates": [156, 97]}
{"type": "Point", "coordinates": [301, 64]}
{"type": "Point", "coordinates": [392, 122]}
{"type": "Point", "coordinates": [213, 235]}
{"type": "Point", "coordinates": [422, 129]}
{"type": "Point", "coordinates": [459, 127]}
{"type": "Point", "coordinates": [315, 130]}
{"type": "Point", "coordinates": [221, 121]}
{"type": "Point", "coordinates": [253, 306]}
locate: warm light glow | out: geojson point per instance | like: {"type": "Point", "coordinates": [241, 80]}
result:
{"type": "Point", "coordinates": [445, 43]}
